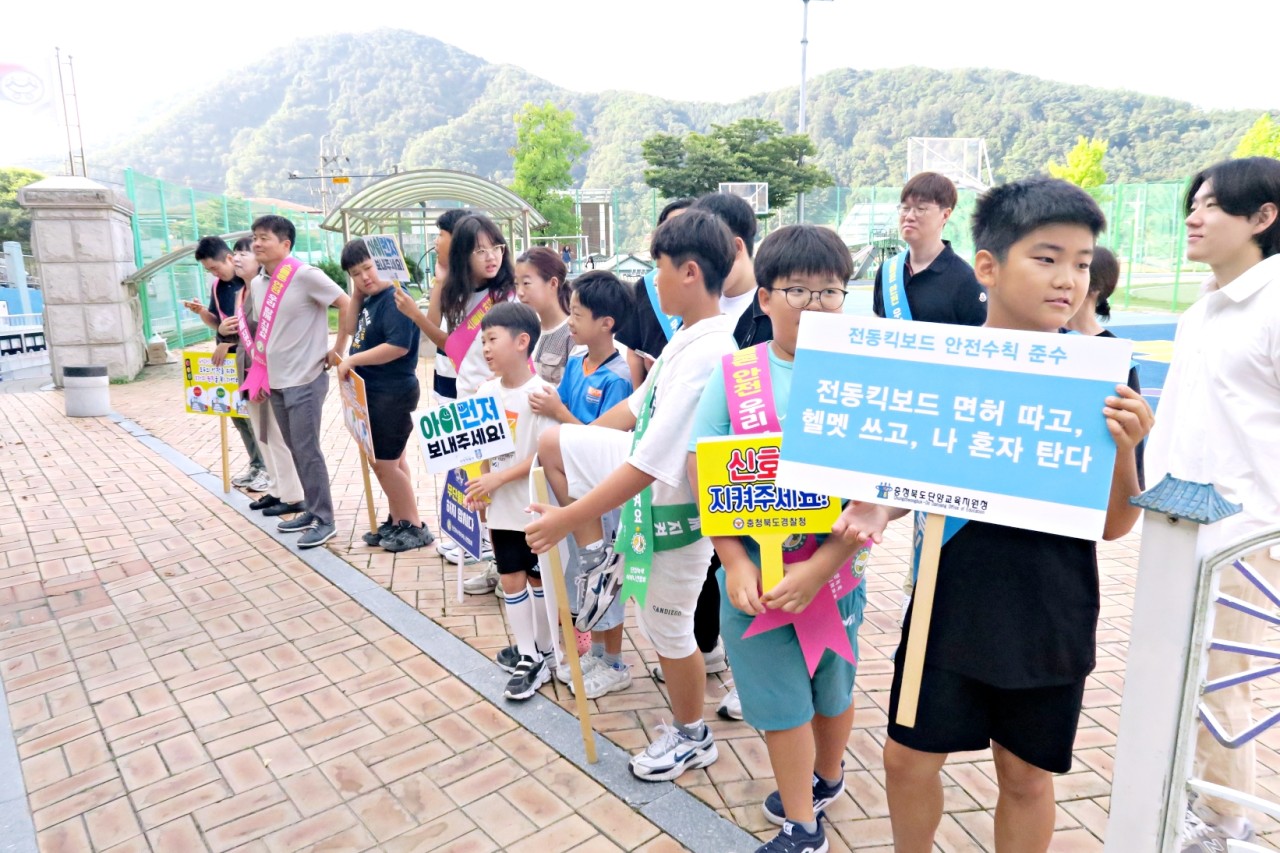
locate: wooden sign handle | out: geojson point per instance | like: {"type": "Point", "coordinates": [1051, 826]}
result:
{"type": "Point", "coordinates": [368, 492]}
{"type": "Point", "coordinates": [566, 624]}
{"type": "Point", "coordinates": [226, 456]}
{"type": "Point", "coordinates": [770, 559]}
{"type": "Point", "coordinates": [921, 613]}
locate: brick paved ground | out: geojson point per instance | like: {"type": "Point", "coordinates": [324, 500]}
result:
{"type": "Point", "coordinates": [176, 677]}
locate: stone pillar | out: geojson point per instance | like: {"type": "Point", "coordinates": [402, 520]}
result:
{"type": "Point", "coordinates": [82, 240]}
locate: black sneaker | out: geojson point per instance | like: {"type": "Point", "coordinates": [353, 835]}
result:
{"type": "Point", "coordinates": [319, 533]}
{"type": "Point", "coordinates": [384, 529]}
{"type": "Point", "coordinates": [823, 796]}
{"type": "Point", "coordinates": [264, 502]}
{"type": "Point", "coordinates": [530, 674]}
{"type": "Point", "coordinates": [508, 658]}
{"type": "Point", "coordinates": [282, 508]}
{"type": "Point", "coordinates": [793, 839]}
{"type": "Point", "coordinates": [305, 521]}
{"type": "Point", "coordinates": [405, 537]}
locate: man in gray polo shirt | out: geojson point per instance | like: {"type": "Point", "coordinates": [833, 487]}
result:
{"type": "Point", "coordinates": [297, 355]}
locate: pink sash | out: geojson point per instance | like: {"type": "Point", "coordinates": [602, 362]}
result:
{"type": "Point", "coordinates": [461, 338]}
{"type": "Point", "coordinates": [748, 388]}
{"type": "Point", "coordinates": [257, 384]}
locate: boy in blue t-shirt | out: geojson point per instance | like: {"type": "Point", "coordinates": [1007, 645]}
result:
{"type": "Point", "coordinates": [384, 346]}
{"type": "Point", "coordinates": [593, 382]}
{"type": "Point", "coordinates": [806, 719]}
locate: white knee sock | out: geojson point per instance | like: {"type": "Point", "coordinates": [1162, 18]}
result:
{"type": "Point", "coordinates": [520, 616]}
{"type": "Point", "coordinates": [541, 620]}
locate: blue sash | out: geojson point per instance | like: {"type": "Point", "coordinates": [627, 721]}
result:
{"type": "Point", "coordinates": [895, 288]}
{"type": "Point", "coordinates": [668, 323]}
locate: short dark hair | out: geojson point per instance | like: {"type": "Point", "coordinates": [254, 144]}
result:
{"type": "Point", "coordinates": [736, 213]}
{"type": "Point", "coordinates": [277, 225]}
{"type": "Point", "coordinates": [699, 236]}
{"type": "Point", "coordinates": [354, 254]}
{"type": "Point", "coordinates": [1241, 187]}
{"type": "Point", "coordinates": [930, 186]}
{"type": "Point", "coordinates": [448, 220]}
{"type": "Point", "coordinates": [672, 206]}
{"type": "Point", "coordinates": [516, 318]}
{"type": "Point", "coordinates": [1104, 275]}
{"type": "Point", "coordinates": [802, 250]}
{"type": "Point", "coordinates": [244, 244]}
{"type": "Point", "coordinates": [211, 249]}
{"type": "Point", "coordinates": [604, 295]}
{"type": "Point", "coordinates": [1005, 214]}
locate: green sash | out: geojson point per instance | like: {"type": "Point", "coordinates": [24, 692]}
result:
{"type": "Point", "coordinates": [644, 528]}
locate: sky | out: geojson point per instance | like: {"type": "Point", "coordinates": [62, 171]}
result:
{"type": "Point", "coordinates": [129, 66]}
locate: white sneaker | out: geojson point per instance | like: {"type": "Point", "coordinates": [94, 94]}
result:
{"type": "Point", "coordinates": [245, 477]}
{"type": "Point", "coordinates": [715, 660]}
{"type": "Point", "coordinates": [603, 679]}
{"type": "Point", "coordinates": [730, 707]}
{"type": "Point", "coordinates": [589, 662]}
{"type": "Point", "coordinates": [673, 753]}
{"type": "Point", "coordinates": [1206, 831]}
{"type": "Point", "coordinates": [483, 583]}
{"type": "Point", "coordinates": [261, 483]}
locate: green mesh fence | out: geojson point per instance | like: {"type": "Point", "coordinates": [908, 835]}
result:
{"type": "Point", "coordinates": [167, 217]}
{"type": "Point", "coordinates": [1145, 230]}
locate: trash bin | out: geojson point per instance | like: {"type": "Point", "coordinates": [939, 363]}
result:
{"type": "Point", "coordinates": [86, 391]}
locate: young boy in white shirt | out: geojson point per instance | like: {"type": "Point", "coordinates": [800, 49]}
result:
{"type": "Point", "coordinates": [600, 469]}
{"type": "Point", "coordinates": [508, 333]}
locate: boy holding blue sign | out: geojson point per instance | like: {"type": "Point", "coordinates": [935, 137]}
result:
{"type": "Point", "coordinates": [806, 717]}
{"type": "Point", "coordinates": [1013, 624]}
{"type": "Point", "coordinates": [384, 346]}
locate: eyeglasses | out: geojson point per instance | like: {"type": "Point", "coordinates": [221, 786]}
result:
{"type": "Point", "coordinates": [802, 297]}
{"type": "Point", "coordinates": [492, 251]}
{"type": "Point", "coordinates": [917, 209]}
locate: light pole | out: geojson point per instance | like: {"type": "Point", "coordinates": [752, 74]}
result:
{"type": "Point", "coordinates": [801, 124]}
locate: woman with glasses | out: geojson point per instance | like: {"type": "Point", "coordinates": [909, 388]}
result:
{"type": "Point", "coordinates": [481, 274]}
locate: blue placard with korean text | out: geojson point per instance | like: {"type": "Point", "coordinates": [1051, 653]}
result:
{"type": "Point", "coordinates": [989, 424]}
{"type": "Point", "coordinates": [456, 521]}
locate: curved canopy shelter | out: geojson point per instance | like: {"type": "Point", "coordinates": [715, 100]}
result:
{"type": "Point", "coordinates": [418, 197]}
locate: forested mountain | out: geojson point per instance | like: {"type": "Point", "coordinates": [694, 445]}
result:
{"type": "Point", "coordinates": [398, 97]}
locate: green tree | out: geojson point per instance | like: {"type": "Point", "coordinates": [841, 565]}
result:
{"type": "Point", "coordinates": [547, 146]}
{"type": "Point", "coordinates": [1260, 140]}
{"type": "Point", "coordinates": [1084, 164]}
{"type": "Point", "coordinates": [15, 223]}
{"type": "Point", "coordinates": [749, 149]}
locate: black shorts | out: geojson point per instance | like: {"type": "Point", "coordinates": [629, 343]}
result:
{"type": "Point", "coordinates": [445, 386]}
{"type": "Point", "coordinates": [511, 552]}
{"type": "Point", "coordinates": [960, 714]}
{"type": "Point", "coordinates": [391, 419]}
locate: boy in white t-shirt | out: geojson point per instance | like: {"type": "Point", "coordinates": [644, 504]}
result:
{"type": "Point", "coordinates": [596, 469]}
{"type": "Point", "coordinates": [508, 333]}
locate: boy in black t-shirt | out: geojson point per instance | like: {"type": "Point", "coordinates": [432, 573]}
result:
{"type": "Point", "coordinates": [215, 256]}
{"type": "Point", "coordinates": [1012, 635]}
{"type": "Point", "coordinates": [384, 346]}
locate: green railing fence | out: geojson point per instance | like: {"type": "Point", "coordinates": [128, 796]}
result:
{"type": "Point", "coordinates": [167, 217]}
{"type": "Point", "coordinates": [1144, 228]}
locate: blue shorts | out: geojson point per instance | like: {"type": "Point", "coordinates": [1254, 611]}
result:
{"type": "Point", "coordinates": [770, 673]}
